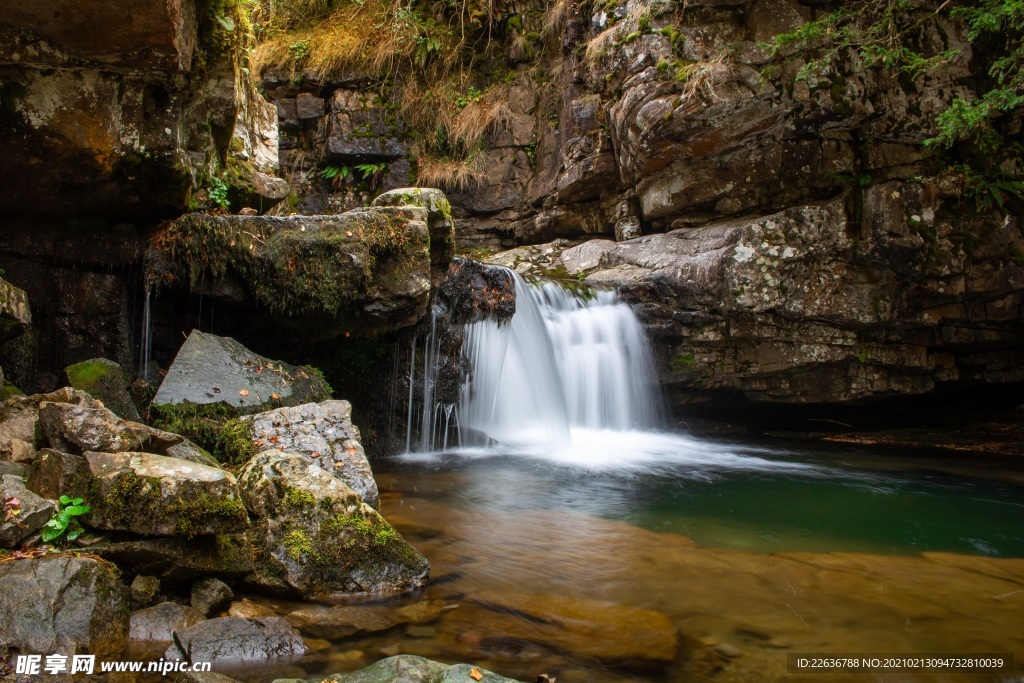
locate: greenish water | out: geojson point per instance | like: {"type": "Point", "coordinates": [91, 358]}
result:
{"type": "Point", "coordinates": [764, 498]}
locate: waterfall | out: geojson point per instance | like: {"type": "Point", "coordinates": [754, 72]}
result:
{"type": "Point", "coordinates": [566, 362]}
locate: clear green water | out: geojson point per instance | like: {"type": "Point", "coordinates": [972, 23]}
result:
{"type": "Point", "coordinates": [769, 498]}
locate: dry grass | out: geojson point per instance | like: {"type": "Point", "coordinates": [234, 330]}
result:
{"type": "Point", "coordinates": [700, 78]}
{"type": "Point", "coordinates": [556, 17]}
{"type": "Point", "coordinates": [448, 174]}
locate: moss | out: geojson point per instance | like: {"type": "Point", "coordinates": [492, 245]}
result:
{"type": "Point", "coordinates": [215, 427]}
{"type": "Point", "coordinates": [290, 272]}
{"type": "Point", "coordinates": [298, 545]}
{"type": "Point", "coordinates": [683, 362]}
{"type": "Point", "coordinates": [194, 512]}
{"type": "Point", "coordinates": [8, 390]}
{"type": "Point", "coordinates": [298, 498]}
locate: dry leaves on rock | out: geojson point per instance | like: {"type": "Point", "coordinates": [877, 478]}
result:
{"type": "Point", "coordinates": [476, 675]}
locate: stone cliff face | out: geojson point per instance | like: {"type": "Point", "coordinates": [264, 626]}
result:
{"type": "Point", "coordinates": [814, 249]}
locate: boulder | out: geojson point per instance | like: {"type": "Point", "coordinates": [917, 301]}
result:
{"type": "Point", "coordinates": [218, 370]}
{"type": "Point", "coordinates": [324, 432]}
{"type": "Point", "coordinates": [247, 609]}
{"type": "Point", "coordinates": [107, 381]}
{"type": "Point", "coordinates": [19, 416]}
{"type": "Point", "coordinates": [316, 536]}
{"type": "Point", "coordinates": [158, 623]}
{"type": "Point", "coordinates": [55, 474]}
{"type": "Point", "coordinates": [88, 426]}
{"type": "Point", "coordinates": [15, 315]}
{"type": "Point", "coordinates": [159, 496]}
{"type": "Point", "coordinates": [367, 269]}
{"type": "Point", "coordinates": [414, 669]}
{"type": "Point", "coordinates": [63, 605]}
{"type": "Point", "coordinates": [31, 512]}
{"type": "Point", "coordinates": [233, 640]}
{"type": "Point", "coordinates": [209, 595]}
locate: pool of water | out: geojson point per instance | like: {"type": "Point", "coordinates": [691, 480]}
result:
{"type": "Point", "coordinates": [580, 563]}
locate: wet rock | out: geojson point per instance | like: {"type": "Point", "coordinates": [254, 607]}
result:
{"type": "Point", "coordinates": [19, 416]}
{"type": "Point", "coordinates": [335, 623]}
{"type": "Point", "coordinates": [186, 450]}
{"type": "Point", "coordinates": [210, 595]}
{"type": "Point", "coordinates": [15, 315]}
{"type": "Point", "coordinates": [158, 623]}
{"type": "Point", "coordinates": [247, 609]}
{"type": "Point", "coordinates": [210, 369]}
{"type": "Point", "coordinates": [413, 669]}
{"type": "Point", "coordinates": [229, 639]}
{"type": "Point", "coordinates": [104, 380]}
{"type": "Point", "coordinates": [144, 589]}
{"type": "Point", "coordinates": [474, 291]}
{"type": "Point", "coordinates": [324, 432]}
{"type": "Point", "coordinates": [159, 496]}
{"type": "Point", "coordinates": [32, 511]}
{"type": "Point", "coordinates": [617, 634]}
{"type": "Point", "coordinates": [63, 605]}
{"type": "Point", "coordinates": [55, 474]}
{"type": "Point", "coordinates": [316, 536]}
{"type": "Point", "coordinates": [87, 426]}
{"type": "Point", "coordinates": [22, 451]}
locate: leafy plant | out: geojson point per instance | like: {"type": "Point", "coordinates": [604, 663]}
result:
{"type": "Point", "coordinates": [332, 172]}
{"type": "Point", "coordinates": [989, 193]}
{"type": "Point", "coordinates": [219, 193]}
{"type": "Point", "coordinates": [64, 526]}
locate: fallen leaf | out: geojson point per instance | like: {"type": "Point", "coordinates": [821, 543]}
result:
{"type": "Point", "coordinates": [304, 375]}
{"type": "Point", "coordinates": [476, 675]}
{"type": "Point", "coordinates": [274, 439]}
{"type": "Point", "coordinates": [259, 369]}
{"type": "Point", "coordinates": [216, 390]}
{"type": "Point", "coordinates": [349, 233]}
{"type": "Point", "coordinates": [276, 397]}
{"type": "Point", "coordinates": [314, 454]}
{"type": "Point", "coordinates": [243, 392]}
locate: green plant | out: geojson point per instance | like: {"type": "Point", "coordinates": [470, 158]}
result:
{"type": "Point", "coordinates": [64, 527]}
{"type": "Point", "coordinates": [989, 193]}
{"type": "Point", "coordinates": [332, 172]}
{"type": "Point", "coordinates": [218, 193]}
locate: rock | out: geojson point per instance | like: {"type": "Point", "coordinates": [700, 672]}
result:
{"type": "Point", "coordinates": [233, 640]}
{"type": "Point", "coordinates": [144, 589]}
{"type": "Point", "coordinates": [177, 559]}
{"type": "Point", "coordinates": [247, 609]}
{"type": "Point", "coordinates": [32, 511]}
{"type": "Point", "coordinates": [55, 474]}
{"type": "Point", "coordinates": [158, 623]}
{"type": "Point", "coordinates": [615, 634]}
{"type": "Point", "coordinates": [473, 291]}
{"type": "Point", "coordinates": [627, 228]}
{"type": "Point", "coordinates": [335, 623]}
{"type": "Point", "coordinates": [413, 669]}
{"type": "Point", "coordinates": [159, 496]}
{"type": "Point", "coordinates": [365, 270]}
{"type": "Point", "coordinates": [727, 650]}
{"type": "Point", "coordinates": [210, 595]}
{"type": "Point", "coordinates": [270, 188]}
{"type": "Point", "coordinates": [63, 605]}
{"type": "Point", "coordinates": [317, 537]}
{"type": "Point", "coordinates": [19, 416]}
{"type": "Point", "coordinates": [105, 380]}
{"type": "Point", "coordinates": [186, 450]}
{"type": "Point", "coordinates": [15, 315]}
{"type": "Point", "coordinates": [324, 432]}
{"type": "Point", "coordinates": [309, 106]}
{"type": "Point", "coordinates": [87, 426]}
{"type": "Point", "coordinates": [210, 369]}
{"type": "Point", "coordinates": [22, 451]}
{"type": "Point", "coordinates": [203, 677]}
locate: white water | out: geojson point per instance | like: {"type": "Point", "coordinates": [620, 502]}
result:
{"type": "Point", "coordinates": [563, 363]}
{"type": "Point", "coordinates": [570, 380]}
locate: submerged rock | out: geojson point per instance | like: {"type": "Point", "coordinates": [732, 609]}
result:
{"type": "Point", "coordinates": [613, 633]}
{"type": "Point", "coordinates": [230, 639]}
{"type": "Point", "coordinates": [324, 432]}
{"type": "Point", "coordinates": [63, 605]}
{"type": "Point", "coordinates": [413, 669]}
{"type": "Point", "coordinates": [335, 623]}
{"type": "Point", "coordinates": [210, 369]}
{"type": "Point", "coordinates": [316, 536]}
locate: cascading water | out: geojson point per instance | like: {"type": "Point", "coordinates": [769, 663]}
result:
{"type": "Point", "coordinates": [565, 365]}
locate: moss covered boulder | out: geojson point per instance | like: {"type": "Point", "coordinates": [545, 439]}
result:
{"type": "Point", "coordinates": [64, 605]}
{"type": "Point", "coordinates": [316, 537]}
{"type": "Point", "coordinates": [414, 669]}
{"type": "Point", "coordinates": [159, 496]}
{"type": "Point", "coordinates": [105, 380]}
{"type": "Point", "coordinates": [367, 270]}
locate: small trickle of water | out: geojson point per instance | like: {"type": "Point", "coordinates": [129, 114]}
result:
{"type": "Point", "coordinates": [146, 346]}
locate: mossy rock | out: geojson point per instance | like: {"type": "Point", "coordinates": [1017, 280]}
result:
{"type": "Point", "coordinates": [107, 381]}
{"type": "Point", "coordinates": [315, 537]}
